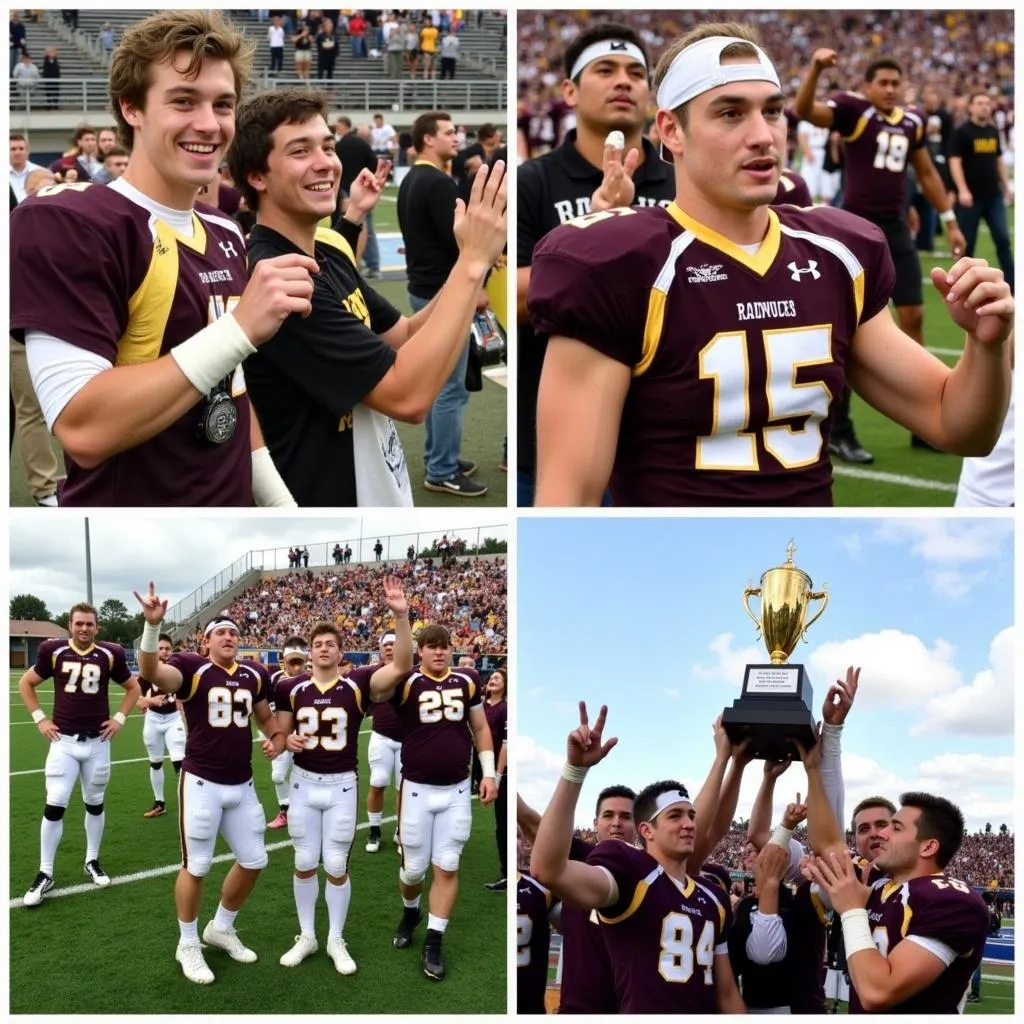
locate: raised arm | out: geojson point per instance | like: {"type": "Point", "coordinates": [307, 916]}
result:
{"type": "Point", "coordinates": [723, 813]}
{"type": "Point", "coordinates": [582, 885]}
{"type": "Point", "coordinates": [759, 828]}
{"type": "Point", "coordinates": [806, 106]}
{"type": "Point", "coordinates": [527, 819]}
{"type": "Point", "coordinates": [836, 707]}
{"type": "Point", "coordinates": [824, 833]}
{"type": "Point", "coordinates": [387, 677]}
{"type": "Point", "coordinates": [151, 668]}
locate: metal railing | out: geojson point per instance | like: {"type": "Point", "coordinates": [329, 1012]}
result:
{"type": "Point", "coordinates": [81, 95]}
{"type": "Point", "coordinates": [321, 554]}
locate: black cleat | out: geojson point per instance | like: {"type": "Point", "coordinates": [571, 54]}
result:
{"type": "Point", "coordinates": [411, 916]}
{"type": "Point", "coordinates": [499, 886]}
{"type": "Point", "coordinates": [430, 959]}
{"type": "Point", "coordinates": [848, 450]}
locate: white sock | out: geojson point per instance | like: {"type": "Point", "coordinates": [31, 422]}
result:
{"type": "Point", "coordinates": [93, 834]}
{"type": "Point", "coordinates": [375, 818]}
{"type": "Point", "coordinates": [156, 780]}
{"type": "Point", "coordinates": [224, 918]}
{"type": "Point", "coordinates": [338, 897]}
{"type": "Point", "coordinates": [49, 840]}
{"type": "Point", "coordinates": [436, 924]}
{"type": "Point", "coordinates": [412, 904]}
{"type": "Point", "coordinates": [282, 790]}
{"type": "Point", "coordinates": [307, 892]}
{"type": "Point", "coordinates": [189, 930]}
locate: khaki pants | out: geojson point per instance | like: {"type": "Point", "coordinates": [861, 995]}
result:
{"type": "Point", "coordinates": [30, 428]}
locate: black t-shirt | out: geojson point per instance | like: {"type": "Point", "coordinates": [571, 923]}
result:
{"type": "Point", "coordinates": [355, 154]}
{"type": "Point", "coordinates": [426, 215]}
{"type": "Point", "coordinates": [552, 189]}
{"type": "Point", "coordinates": [304, 382]}
{"type": "Point", "coordinates": [978, 147]}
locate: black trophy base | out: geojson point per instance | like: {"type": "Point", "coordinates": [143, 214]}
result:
{"type": "Point", "coordinates": [773, 724]}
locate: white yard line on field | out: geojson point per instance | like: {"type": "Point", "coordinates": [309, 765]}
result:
{"type": "Point", "coordinates": [894, 478]}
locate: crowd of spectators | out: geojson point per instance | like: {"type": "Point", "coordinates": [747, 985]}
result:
{"type": "Point", "coordinates": [467, 597]}
{"type": "Point", "coordinates": [955, 50]}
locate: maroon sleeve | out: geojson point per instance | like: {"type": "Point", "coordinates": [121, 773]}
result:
{"type": "Point", "coordinates": [580, 849]}
{"type": "Point", "coordinates": [476, 700]}
{"type": "Point", "coordinates": [921, 138]}
{"type": "Point", "coordinates": [120, 673]}
{"type": "Point", "coordinates": [282, 692]}
{"type": "Point", "coordinates": [188, 665]}
{"type": "Point", "coordinates": [879, 271]}
{"type": "Point", "coordinates": [956, 917]}
{"type": "Point", "coordinates": [263, 690]}
{"type": "Point", "coordinates": [793, 190]}
{"type": "Point", "coordinates": [622, 861]}
{"type": "Point", "coordinates": [846, 111]}
{"type": "Point", "coordinates": [44, 659]}
{"type": "Point", "coordinates": [58, 253]}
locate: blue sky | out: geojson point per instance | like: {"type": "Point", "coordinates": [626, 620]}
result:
{"type": "Point", "coordinates": [645, 615]}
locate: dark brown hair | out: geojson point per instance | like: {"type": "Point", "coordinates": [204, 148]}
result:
{"type": "Point", "coordinates": [426, 124]}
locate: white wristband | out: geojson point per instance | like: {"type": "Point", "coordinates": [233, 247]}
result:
{"type": "Point", "coordinates": [268, 489]}
{"type": "Point", "coordinates": [574, 773]}
{"type": "Point", "coordinates": [781, 836]}
{"type": "Point", "coordinates": [38, 715]}
{"type": "Point", "coordinates": [856, 931]}
{"type": "Point", "coordinates": [948, 216]}
{"type": "Point", "coordinates": [118, 717]}
{"type": "Point", "coordinates": [150, 642]}
{"type": "Point", "coordinates": [486, 763]}
{"type": "Point", "coordinates": [209, 356]}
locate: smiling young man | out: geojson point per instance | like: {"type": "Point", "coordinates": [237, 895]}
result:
{"type": "Point", "coordinates": [695, 353]}
{"type": "Point", "coordinates": [148, 378]}
{"type": "Point", "coordinates": [356, 362]}
{"type": "Point", "coordinates": [219, 696]}
{"type": "Point", "coordinates": [79, 735]}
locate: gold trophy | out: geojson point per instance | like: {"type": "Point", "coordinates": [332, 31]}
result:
{"type": "Point", "coordinates": [776, 705]}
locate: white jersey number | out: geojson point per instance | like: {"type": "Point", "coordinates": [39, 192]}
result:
{"type": "Point", "coordinates": [228, 707]}
{"type": "Point", "coordinates": [438, 704]}
{"type": "Point", "coordinates": [524, 932]}
{"type": "Point", "coordinates": [89, 675]}
{"type": "Point", "coordinates": [308, 721]}
{"type": "Point", "coordinates": [891, 154]}
{"type": "Point", "coordinates": [731, 444]}
{"type": "Point", "coordinates": [676, 962]}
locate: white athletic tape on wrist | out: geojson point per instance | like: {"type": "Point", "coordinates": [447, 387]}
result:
{"type": "Point", "coordinates": [607, 48]}
{"type": "Point", "coordinates": [487, 763]}
{"type": "Point", "coordinates": [856, 931]}
{"type": "Point", "coordinates": [150, 642]}
{"type": "Point", "coordinates": [574, 773]}
{"type": "Point", "coordinates": [699, 68]}
{"type": "Point", "coordinates": [781, 837]}
{"type": "Point", "coordinates": [38, 715]}
{"type": "Point", "coordinates": [948, 217]}
{"type": "Point", "coordinates": [268, 489]}
{"type": "Point", "coordinates": [209, 356]}
{"type": "Point", "coordinates": [118, 717]}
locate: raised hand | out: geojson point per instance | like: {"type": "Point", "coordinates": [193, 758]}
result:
{"type": "Point", "coordinates": [153, 608]}
{"type": "Point", "coordinates": [978, 299]}
{"type": "Point", "coordinates": [584, 748]}
{"type": "Point", "coordinates": [794, 814]}
{"type": "Point", "coordinates": [773, 769]}
{"type": "Point", "coordinates": [811, 757]}
{"type": "Point", "coordinates": [481, 228]}
{"type": "Point", "coordinates": [839, 698]}
{"type": "Point", "coordinates": [394, 595]}
{"type": "Point", "coordinates": [617, 187]}
{"type": "Point", "coordinates": [367, 188]}
{"type": "Point", "coordinates": [771, 864]}
{"type": "Point", "coordinates": [837, 875]}
{"type": "Point", "coordinates": [824, 58]}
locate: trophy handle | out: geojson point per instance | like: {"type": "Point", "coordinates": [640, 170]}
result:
{"type": "Point", "coordinates": [821, 596]}
{"type": "Point", "coordinates": [748, 593]}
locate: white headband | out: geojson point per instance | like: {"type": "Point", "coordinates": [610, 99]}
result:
{"type": "Point", "coordinates": [607, 48]}
{"type": "Point", "coordinates": [217, 623]}
{"type": "Point", "coordinates": [290, 652]}
{"type": "Point", "coordinates": [667, 799]}
{"type": "Point", "coordinates": [698, 68]}
{"type": "Point", "coordinates": [387, 638]}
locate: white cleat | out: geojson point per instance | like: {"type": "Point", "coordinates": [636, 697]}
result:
{"type": "Point", "coordinates": [373, 844]}
{"type": "Point", "coordinates": [97, 874]}
{"type": "Point", "coordinates": [229, 941]}
{"type": "Point", "coordinates": [40, 887]}
{"type": "Point", "coordinates": [193, 966]}
{"type": "Point", "coordinates": [305, 945]}
{"type": "Point", "coordinates": [338, 952]}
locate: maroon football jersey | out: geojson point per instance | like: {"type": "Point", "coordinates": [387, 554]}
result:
{"type": "Point", "coordinates": [95, 269]}
{"type": "Point", "coordinates": [588, 985]}
{"type": "Point", "coordinates": [385, 718]}
{"type": "Point", "coordinates": [793, 190]}
{"type": "Point", "coordinates": [168, 707]}
{"type": "Point", "coordinates": [541, 126]}
{"type": "Point", "coordinates": [533, 937]}
{"type": "Point", "coordinates": [80, 681]}
{"type": "Point", "coordinates": [662, 935]}
{"type": "Point", "coordinates": [434, 713]}
{"type": "Point", "coordinates": [932, 908]}
{"type": "Point", "coordinates": [217, 704]}
{"type": "Point", "coordinates": [878, 148]}
{"type": "Point", "coordinates": [280, 686]}
{"type": "Point", "coordinates": [736, 358]}
{"type": "Point", "coordinates": [329, 717]}
{"type": "Point", "coordinates": [497, 715]}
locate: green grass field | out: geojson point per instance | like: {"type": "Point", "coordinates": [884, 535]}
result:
{"type": "Point", "coordinates": [122, 939]}
{"type": "Point", "coordinates": [901, 475]}
{"type": "Point", "coordinates": [483, 431]}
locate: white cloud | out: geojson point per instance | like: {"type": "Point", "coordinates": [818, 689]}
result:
{"type": "Point", "coordinates": [852, 544]}
{"type": "Point", "coordinates": [984, 707]}
{"type": "Point", "coordinates": [731, 662]}
{"type": "Point", "coordinates": [537, 771]}
{"type": "Point", "coordinates": [953, 584]}
{"type": "Point", "coordinates": [948, 541]}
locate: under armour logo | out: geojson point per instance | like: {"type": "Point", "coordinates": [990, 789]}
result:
{"type": "Point", "coordinates": [618, 45]}
{"type": "Point", "coordinates": [811, 268]}
{"type": "Point", "coordinates": [229, 249]}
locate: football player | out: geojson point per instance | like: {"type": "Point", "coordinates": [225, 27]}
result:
{"type": "Point", "coordinates": [442, 718]}
{"type": "Point", "coordinates": [665, 931]}
{"type": "Point", "coordinates": [79, 732]}
{"type": "Point", "coordinates": [695, 352]}
{"type": "Point", "coordinates": [162, 728]}
{"type": "Point", "coordinates": [293, 664]}
{"type": "Point", "coordinates": [384, 752]}
{"type": "Point", "coordinates": [170, 315]}
{"type": "Point", "coordinates": [218, 697]}
{"type": "Point", "coordinates": [322, 715]}
{"type": "Point", "coordinates": [536, 911]}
